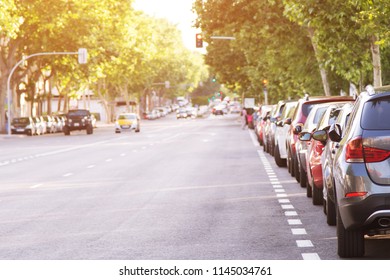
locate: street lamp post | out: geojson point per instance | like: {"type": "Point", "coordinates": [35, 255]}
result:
{"type": "Point", "coordinates": [82, 58]}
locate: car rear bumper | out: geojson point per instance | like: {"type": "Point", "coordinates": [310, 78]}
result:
{"type": "Point", "coordinates": [365, 212]}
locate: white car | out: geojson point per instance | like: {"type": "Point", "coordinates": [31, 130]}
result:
{"type": "Point", "coordinates": [127, 122]}
{"type": "Point", "coordinates": [282, 126]}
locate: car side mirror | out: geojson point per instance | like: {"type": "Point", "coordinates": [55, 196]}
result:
{"type": "Point", "coordinates": [320, 135]}
{"type": "Point", "coordinates": [335, 132]}
{"type": "Point", "coordinates": [297, 129]}
{"type": "Point", "coordinates": [305, 136]}
{"type": "Point", "coordinates": [288, 121]}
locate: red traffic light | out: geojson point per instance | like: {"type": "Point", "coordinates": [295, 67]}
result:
{"type": "Point", "coordinates": [199, 40]}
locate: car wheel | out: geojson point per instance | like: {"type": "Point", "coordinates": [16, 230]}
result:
{"type": "Point", "coordinates": [289, 165]}
{"type": "Point", "coordinates": [317, 195]}
{"type": "Point", "coordinates": [66, 131]}
{"type": "Point", "coordinates": [296, 170]}
{"type": "Point", "coordinates": [292, 166]}
{"type": "Point", "coordinates": [330, 212]}
{"type": "Point", "coordinates": [302, 177]}
{"type": "Point", "coordinates": [309, 192]}
{"type": "Point", "coordinates": [89, 129]}
{"type": "Point", "coordinates": [279, 161]}
{"type": "Point", "coordinates": [350, 243]}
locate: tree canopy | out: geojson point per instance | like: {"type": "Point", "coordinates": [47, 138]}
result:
{"type": "Point", "coordinates": [128, 50]}
{"type": "Point", "coordinates": [298, 46]}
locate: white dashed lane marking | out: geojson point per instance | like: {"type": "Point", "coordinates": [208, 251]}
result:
{"type": "Point", "coordinates": [289, 211]}
{"type": "Point", "coordinates": [36, 186]}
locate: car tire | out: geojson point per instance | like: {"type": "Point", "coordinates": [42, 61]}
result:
{"type": "Point", "coordinates": [330, 212]}
{"type": "Point", "coordinates": [302, 177]}
{"type": "Point", "coordinates": [317, 196]}
{"type": "Point", "coordinates": [278, 160]}
{"type": "Point", "coordinates": [309, 191]}
{"type": "Point", "coordinates": [289, 164]}
{"type": "Point", "coordinates": [296, 170]}
{"type": "Point", "coordinates": [66, 131]}
{"type": "Point", "coordinates": [292, 167]}
{"type": "Point", "coordinates": [350, 242]}
{"type": "Point", "coordinates": [89, 129]}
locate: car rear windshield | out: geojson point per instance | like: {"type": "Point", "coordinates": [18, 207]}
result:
{"type": "Point", "coordinates": [78, 113]}
{"type": "Point", "coordinates": [21, 120]}
{"type": "Point", "coordinates": [376, 114]}
{"type": "Point", "coordinates": [127, 117]}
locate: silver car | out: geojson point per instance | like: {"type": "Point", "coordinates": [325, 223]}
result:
{"type": "Point", "coordinates": [362, 172]}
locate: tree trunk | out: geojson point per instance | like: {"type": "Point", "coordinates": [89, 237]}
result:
{"type": "Point", "coordinates": [376, 62]}
{"type": "Point", "coordinates": [324, 75]}
{"type": "Point", "coordinates": [104, 101]}
{"type": "Point", "coordinates": [3, 94]}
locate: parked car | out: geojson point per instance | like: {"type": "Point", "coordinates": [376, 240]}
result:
{"type": "Point", "coordinates": [362, 172]}
{"type": "Point", "coordinates": [50, 124]}
{"type": "Point", "coordinates": [39, 126]}
{"type": "Point", "coordinates": [267, 131]}
{"type": "Point", "coordinates": [327, 159]}
{"type": "Point", "coordinates": [302, 146]}
{"type": "Point", "coordinates": [24, 125]}
{"type": "Point", "coordinates": [314, 153]}
{"type": "Point", "coordinates": [127, 122]}
{"type": "Point", "coordinates": [264, 113]}
{"type": "Point", "coordinates": [181, 113]}
{"type": "Point", "coordinates": [297, 121]}
{"type": "Point", "coordinates": [59, 122]}
{"type": "Point", "coordinates": [271, 126]}
{"type": "Point", "coordinates": [282, 128]}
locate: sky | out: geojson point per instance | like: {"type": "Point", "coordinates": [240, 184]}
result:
{"type": "Point", "coordinates": [176, 11]}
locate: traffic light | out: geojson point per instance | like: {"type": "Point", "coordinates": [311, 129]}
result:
{"type": "Point", "coordinates": [213, 79]}
{"type": "Point", "coordinates": [199, 40]}
{"type": "Point", "coordinates": [265, 83]}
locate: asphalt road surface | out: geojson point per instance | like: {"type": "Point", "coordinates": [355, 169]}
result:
{"type": "Point", "coordinates": [196, 189]}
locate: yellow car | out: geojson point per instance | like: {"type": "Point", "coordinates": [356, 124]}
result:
{"type": "Point", "coordinates": [127, 121]}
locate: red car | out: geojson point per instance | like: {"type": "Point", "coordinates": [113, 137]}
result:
{"type": "Point", "coordinates": [264, 113]}
{"type": "Point", "coordinates": [314, 152]}
{"type": "Point", "coordinates": [301, 112]}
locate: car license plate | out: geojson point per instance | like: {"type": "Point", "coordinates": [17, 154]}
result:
{"type": "Point", "coordinates": [19, 129]}
{"type": "Point", "coordinates": [76, 124]}
{"type": "Point", "coordinates": [125, 126]}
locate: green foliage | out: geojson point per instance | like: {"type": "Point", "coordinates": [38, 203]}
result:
{"type": "Point", "coordinates": [273, 42]}
{"type": "Point", "coordinates": [128, 50]}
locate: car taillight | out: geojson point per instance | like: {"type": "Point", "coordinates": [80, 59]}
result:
{"type": "Point", "coordinates": [354, 150]}
{"type": "Point", "coordinates": [355, 194]}
{"type": "Point", "coordinates": [375, 155]}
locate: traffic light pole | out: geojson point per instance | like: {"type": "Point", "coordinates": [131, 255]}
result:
{"type": "Point", "coordinates": [82, 53]}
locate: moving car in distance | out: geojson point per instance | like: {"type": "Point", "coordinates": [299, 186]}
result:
{"type": "Point", "coordinates": [78, 119]}
{"type": "Point", "coordinates": [127, 122]}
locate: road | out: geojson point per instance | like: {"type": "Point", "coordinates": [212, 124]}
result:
{"type": "Point", "coordinates": [194, 189]}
